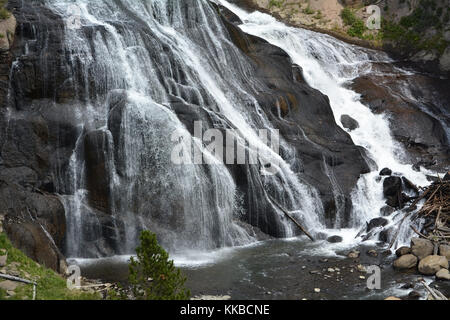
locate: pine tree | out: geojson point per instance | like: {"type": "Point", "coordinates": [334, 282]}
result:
{"type": "Point", "coordinates": [152, 275]}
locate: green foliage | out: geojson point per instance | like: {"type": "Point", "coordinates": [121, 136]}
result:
{"type": "Point", "coordinates": [357, 26]}
{"type": "Point", "coordinates": [409, 32]}
{"type": "Point", "coordinates": [276, 3]}
{"type": "Point", "coordinates": [152, 275]}
{"type": "Point", "coordinates": [50, 285]}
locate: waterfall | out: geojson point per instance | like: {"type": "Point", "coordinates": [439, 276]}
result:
{"type": "Point", "coordinates": [134, 62]}
{"type": "Point", "coordinates": [328, 65]}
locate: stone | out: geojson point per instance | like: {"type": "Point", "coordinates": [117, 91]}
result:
{"type": "Point", "coordinates": [353, 254]}
{"type": "Point", "coordinates": [9, 285]}
{"type": "Point", "coordinates": [414, 295]}
{"type": "Point", "coordinates": [349, 123]}
{"type": "Point", "coordinates": [392, 186]}
{"type": "Point", "coordinates": [376, 222]}
{"type": "Point", "coordinates": [402, 251]}
{"type": "Point", "coordinates": [372, 253]}
{"type": "Point", "coordinates": [406, 261]}
{"type": "Point", "coordinates": [432, 264]}
{"type": "Point", "coordinates": [386, 172]}
{"type": "Point", "coordinates": [392, 298]}
{"type": "Point", "coordinates": [334, 239]}
{"type": "Point", "coordinates": [444, 250]}
{"type": "Point", "coordinates": [317, 290]}
{"type": "Point", "coordinates": [387, 211]}
{"type": "Point", "coordinates": [3, 260]}
{"type": "Point", "coordinates": [443, 274]}
{"type": "Point", "coordinates": [421, 248]}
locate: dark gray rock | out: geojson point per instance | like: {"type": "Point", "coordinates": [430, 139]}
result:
{"type": "Point", "coordinates": [387, 211]}
{"type": "Point", "coordinates": [392, 186]}
{"type": "Point", "coordinates": [334, 239]}
{"type": "Point", "coordinates": [386, 172]}
{"type": "Point", "coordinates": [376, 222]}
{"type": "Point", "coordinates": [349, 123]}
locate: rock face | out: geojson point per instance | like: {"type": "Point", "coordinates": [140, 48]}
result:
{"type": "Point", "coordinates": [406, 261]}
{"type": "Point", "coordinates": [44, 130]}
{"type": "Point", "coordinates": [421, 248]}
{"type": "Point", "coordinates": [432, 264]}
{"type": "Point", "coordinates": [376, 222]}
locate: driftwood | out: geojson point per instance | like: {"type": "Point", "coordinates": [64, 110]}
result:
{"type": "Point", "coordinates": [288, 214]}
{"type": "Point", "coordinates": [436, 294]}
{"type": "Point", "coordinates": [436, 208]}
{"type": "Point", "coordinates": [12, 278]}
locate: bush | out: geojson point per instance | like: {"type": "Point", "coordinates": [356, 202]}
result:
{"type": "Point", "coordinates": [357, 26]}
{"type": "Point", "coordinates": [152, 275]}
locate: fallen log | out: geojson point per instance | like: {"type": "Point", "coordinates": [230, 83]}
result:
{"type": "Point", "coordinates": [288, 214]}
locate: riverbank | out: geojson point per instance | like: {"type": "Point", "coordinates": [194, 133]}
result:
{"type": "Point", "coordinates": [49, 284]}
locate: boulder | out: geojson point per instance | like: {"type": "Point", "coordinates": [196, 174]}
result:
{"type": "Point", "coordinates": [334, 239]}
{"type": "Point", "coordinates": [403, 251]}
{"type": "Point", "coordinates": [444, 250]}
{"type": "Point", "coordinates": [447, 176]}
{"type": "Point", "coordinates": [443, 274]}
{"type": "Point", "coordinates": [432, 264]}
{"type": "Point", "coordinates": [376, 222]}
{"type": "Point", "coordinates": [406, 261]}
{"type": "Point", "coordinates": [421, 248]}
{"type": "Point", "coordinates": [349, 123]}
{"type": "Point", "coordinates": [387, 211]}
{"type": "Point", "coordinates": [392, 186]}
{"type": "Point", "coordinates": [386, 172]}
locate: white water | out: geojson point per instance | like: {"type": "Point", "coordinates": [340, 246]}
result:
{"type": "Point", "coordinates": [328, 64]}
{"type": "Point", "coordinates": [197, 204]}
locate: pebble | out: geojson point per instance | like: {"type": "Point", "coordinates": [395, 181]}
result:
{"type": "Point", "coordinates": [316, 290]}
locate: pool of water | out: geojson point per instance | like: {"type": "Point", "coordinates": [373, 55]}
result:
{"type": "Point", "coordinates": [277, 269]}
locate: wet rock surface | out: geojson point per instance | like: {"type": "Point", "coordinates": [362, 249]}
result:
{"type": "Point", "coordinates": [418, 117]}
{"type": "Point", "coordinates": [41, 129]}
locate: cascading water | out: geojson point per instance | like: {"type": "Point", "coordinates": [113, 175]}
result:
{"type": "Point", "coordinates": [328, 65]}
{"type": "Point", "coordinates": [129, 82]}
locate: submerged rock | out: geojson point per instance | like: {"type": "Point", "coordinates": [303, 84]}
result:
{"type": "Point", "coordinates": [386, 172]}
